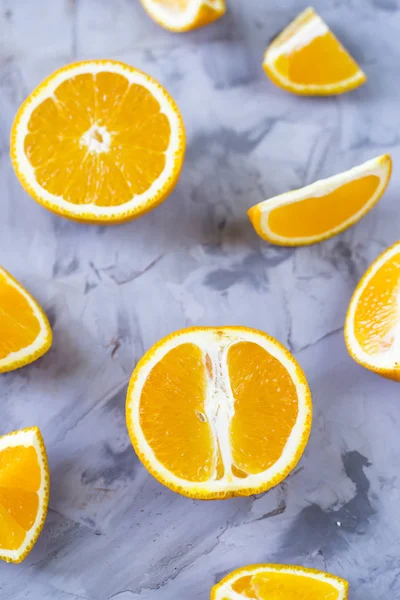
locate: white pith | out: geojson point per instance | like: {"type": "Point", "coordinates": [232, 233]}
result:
{"type": "Point", "coordinates": [176, 18]}
{"type": "Point", "coordinates": [219, 406]}
{"type": "Point", "coordinates": [41, 339]}
{"type": "Point", "coordinates": [28, 438]}
{"type": "Point", "coordinates": [379, 166]}
{"type": "Point", "coordinates": [294, 37]}
{"type": "Point", "coordinates": [225, 590]}
{"type": "Point", "coordinates": [92, 143]}
{"type": "Point", "coordinates": [90, 209]}
{"type": "Point", "coordinates": [389, 359]}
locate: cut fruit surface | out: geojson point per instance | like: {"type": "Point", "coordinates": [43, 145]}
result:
{"type": "Point", "coordinates": [184, 15]}
{"type": "Point", "coordinates": [24, 492]}
{"type": "Point", "coordinates": [306, 58]}
{"type": "Point", "coordinates": [280, 582]}
{"type": "Point", "coordinates": [98, 141]}
{"type": "Point", "coordinates": [372, 329]}
{"type": "Point", "coordinates": [219, 412]}
{"type": "Point", "coordinates": [324, 208]}
{"type": "Point", "coordinates": [25, 333]}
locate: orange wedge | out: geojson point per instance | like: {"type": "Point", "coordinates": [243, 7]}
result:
{"type": "Point", "coordinates": [219, 412]}
{"type": "Point", "coordinates": [306, 58]}
{"type": "Point", "coordinates": [324, 208]}
{"type": "Point", "coordinates": [280, 582]}
{"type": "Point", "coordinates": [24, 492]}
{"type": "Point", "coordinates": [184, 15]}
{"type": "Point", "coordinates": [25, 333]}
{"type": "Point", "coordinates": [372, 328]}
{"type": "Point", "coordinates": [98, 141]}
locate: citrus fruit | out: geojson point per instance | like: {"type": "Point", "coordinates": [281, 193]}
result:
{"type": "Point", "coordinates": [283, 582]}
{"type": "Point", "coordinates": [24, 492]}
{"type": "Point", "coordinates": [25, 333]}
{"type": "Point", "coordinates": [184, 15]}
{"type": "Point", "coordinates": [372, 328]}
{"type": "Point", "coordinates": [322, 209]}
{"type": "Point", "coordinates": [306, 58]}
{"type": "Point", "coordinates": [98, 141]}
{"type": "Point", "coordinates": [219, 412]}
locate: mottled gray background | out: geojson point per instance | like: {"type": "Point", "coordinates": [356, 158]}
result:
{"type": "Point", "coordinates": [112, 531]}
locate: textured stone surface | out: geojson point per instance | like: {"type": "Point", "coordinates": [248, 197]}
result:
{"type": "Point", "coordinates": [114, 533]}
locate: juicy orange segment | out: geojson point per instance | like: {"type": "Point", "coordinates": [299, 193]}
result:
{"type": "Point", "coordinates": [218, 412]}
{"type": "Point", "coordinates": [254, 376]}
{"type": "Point", "coordinates": [98, 141]}
{"type": "Point", "coordinates": [24, 489]}
{"type": "Point", "coordinates": [373, 319]}
{"type": "Point", "coordinates": [25, 333]}
{"type": "Point", "coordinates": [306, 58]}
{"type": "Point", "coordinates": [173, 420]}
{"type": "Point", "coordinates": [324, 208]}
{"type": "Point", "coordinates": [280, 582]}
{"type": "Point", "coordinates": [184, 15]}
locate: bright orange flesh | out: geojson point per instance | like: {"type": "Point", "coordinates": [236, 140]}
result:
{"type": "Point", "coordinates": [316, 216]}
{"type": "Point", "coordinates": [19, 327]}
{"type": "Point", "coordinates": [284, 586]}
{"type": "Point", "coordinates": [323, 61]}
{"type": "Point", "coordinates": [172, 414]}
{"type": "Point", "coordinates": [109, 108]}
{"type": "Point", "coordinates": [20, 480]}
{"type": "Point", "coordinates": [377, 312]}
{"type": "Point", "coordinates": [176, 4]}
{"type": "Point", "coordinates": [175, 424]}
{"type": "Point", "coordinates": [266, 407]}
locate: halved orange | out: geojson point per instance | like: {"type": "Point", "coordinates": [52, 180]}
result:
{"type": "Point", "coordinates": [219, 411]}
{"type": "Point", "coordinates": [372, 328]}
{"type": "Point", "coordinates": [280, 582]}
{"type": "Point", "coordinates": [306, 58]}
{"type": "Point", "coordinates": [25, 333]}
{"type": "Point", "coordinates": [24, 492]}
{"type": "Point", "coordinates": [98, 141]}
{"type": "Point", "coordinates": [322, 209]}
{"type": "Point", "coordinates": [184, 15]}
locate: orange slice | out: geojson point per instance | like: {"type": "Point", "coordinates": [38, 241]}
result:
{"type": "Point", "coordinates": [24, 492]}
{"type": "Point", "coordinates": [25, 333]}
{"type": "Point", "coordinates": [306, 58]}
{"type": "Point", "coordinates": [372, 328]}
{"type": "Point", "coordinates": [219, 412]}
{"type": "Point", "coordinates": [184, 15]}
{"type": "Point", "coordinates": [324, 208]}
{"type": "Point", "coordinates": [98, 141]}
{"type": "Point", "coordinates": [280, 582]}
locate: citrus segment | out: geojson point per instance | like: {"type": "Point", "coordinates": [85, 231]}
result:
{"type": "Point", "coordinates": [172, 414]}
{"type": "Point", "coordinates": [324, 208]}
{"type": "Point", "coordinates": [306, 58]}
{"type": "Point", "coordinates": [24, 491]}
{"type": "Point", "coordinates": [216, 412]}
{"type": "Point", "coordinates": [184, 15]}
{"type": "Point", "coordinates": [283, 582]}
{"type": "Point", "coordinates": [255, 375]}
{"type": "Point", "coordinates": [372, 327]}
{"type": "Point", "coordinates": [98, 141]}
{"type": "Point", "coordinates": [25, 333]}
